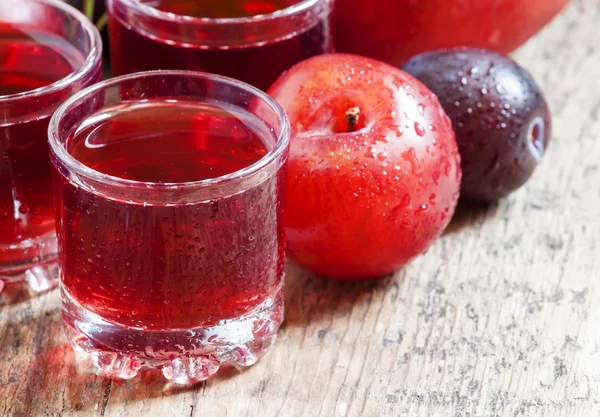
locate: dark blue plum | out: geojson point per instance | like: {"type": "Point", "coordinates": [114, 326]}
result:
{"type": "Point", "coordinates": [500, 117]}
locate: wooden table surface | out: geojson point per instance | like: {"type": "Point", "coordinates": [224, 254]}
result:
{"type": "Point", "coordinates": [500, 318]}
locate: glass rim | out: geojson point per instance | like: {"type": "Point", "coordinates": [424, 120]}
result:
{"type": "Point", "coordinates": [74, 165]}
{"type": "Point", "coordinates": [149, 11]}
{"type": "Point", "coordinates": [92, 59]}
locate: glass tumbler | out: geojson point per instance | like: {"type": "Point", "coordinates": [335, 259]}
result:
{"type": "Point", "coordinates": [48, 50]}
{"type": "Point", "coordinates": [170, 200]}
{"type": "Point", "coordinates": [253, 49]}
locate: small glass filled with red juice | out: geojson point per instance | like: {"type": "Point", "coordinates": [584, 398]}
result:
{"type": "Point", "coordinates": [48, 50]}
{"type": "Point", "coordinates": [170, 192]}
{"type": "Point", "coordinates": [251, 40]}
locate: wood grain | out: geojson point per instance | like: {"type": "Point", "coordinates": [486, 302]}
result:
{"type": "Point", "coordinates": [500, 318]}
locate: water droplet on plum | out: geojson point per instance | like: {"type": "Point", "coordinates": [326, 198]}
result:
{"type": "Point", "coordinates": [512, 119]}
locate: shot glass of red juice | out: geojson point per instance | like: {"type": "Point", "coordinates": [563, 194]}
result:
{"type": "Point", "coordinates": [170, 200]}
{"type": "Point", "coordinates": [48, 50]}
{"type": "Point", "coordinates": [250, 40]}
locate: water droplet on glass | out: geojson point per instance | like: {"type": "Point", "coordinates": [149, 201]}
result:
{"type": "Point", "coordinates": [149, 351]}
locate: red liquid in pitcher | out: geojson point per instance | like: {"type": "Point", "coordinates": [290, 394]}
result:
{"type": "Point", "coordinates": [171, 266]}
{"type": "Point", "coordinates": [29, 59]}
{"type": "Point", "coordinates": [259, 64]}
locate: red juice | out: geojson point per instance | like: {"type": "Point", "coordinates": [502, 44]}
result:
{"type": "Point", "coordinates": [170, 206]}
{"type": "Point", "coordinates": [252, 40]}
{"type": "Point", "coordinates": [29, 59]}
{"type": "Point", "coordinates": [171, 266]}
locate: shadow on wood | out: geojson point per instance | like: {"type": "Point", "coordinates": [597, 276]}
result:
{"type": "Point", "coordinates": [468, 213]}
{"type": "Point", "coordinates": [310, 299]}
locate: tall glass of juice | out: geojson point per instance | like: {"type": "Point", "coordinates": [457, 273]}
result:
{"type": "Point", "coordinates": [48, 50]}
{"type": "Point", "coordinates": [170, 192]}
{"type": "Point", "coordinates": [251, 40]}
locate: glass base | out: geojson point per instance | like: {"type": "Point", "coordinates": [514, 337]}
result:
{"type": "Point", "coordinates": [183, 356]}
{"type": "Point", "coordinates": [33, 261]}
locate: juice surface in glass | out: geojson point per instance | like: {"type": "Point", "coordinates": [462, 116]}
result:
{"type": "Point", "coordinates": [218, 9]}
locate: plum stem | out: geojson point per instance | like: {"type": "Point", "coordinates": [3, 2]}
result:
{"type": "Point", "coordinates": [352, 118]}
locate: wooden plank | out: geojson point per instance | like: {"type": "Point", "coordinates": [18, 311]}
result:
{"type": "Point", "coordinates": [499, 318]}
